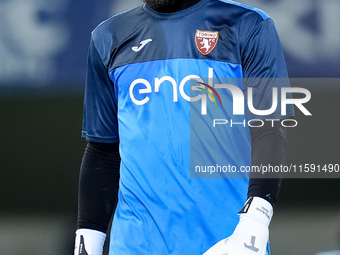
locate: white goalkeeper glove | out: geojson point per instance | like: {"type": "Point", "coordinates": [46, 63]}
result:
{"type": "Point", "coordinates": [89, 242]}
{"type": "Point", "coordinates": [251, 234]}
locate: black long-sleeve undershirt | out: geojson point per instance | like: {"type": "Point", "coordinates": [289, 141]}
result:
{"type": "Point", "coordinates": [98, 185]}
{"type": "Point", "coordinates": [269, 147]}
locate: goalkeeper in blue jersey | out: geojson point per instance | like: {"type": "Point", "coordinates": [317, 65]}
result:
{"type": "Point", "coordinates": [143, 141]}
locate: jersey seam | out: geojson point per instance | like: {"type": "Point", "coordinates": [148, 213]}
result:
{"type": "Point", "coordinates": [97, 52]}
{"type": "Point", "coordinates": [251, 34]}
{"type": "Point", "coordinates": [214, 60]}
{"type": "Point", "coordinates": [117, 44]}
{"type": "Point", "coordinates": [247, 7]}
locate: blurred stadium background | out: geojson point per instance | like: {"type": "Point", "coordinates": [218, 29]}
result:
{"type": "Point", "coordinates": [43, 47]}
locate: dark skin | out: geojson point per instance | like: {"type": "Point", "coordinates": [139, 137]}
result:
{"type": "Point", "coordinates": [168, 6]}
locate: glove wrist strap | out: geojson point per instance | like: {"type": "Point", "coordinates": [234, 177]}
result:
{"type": "Point", "coordinates": [89, 242]}
{"type": "Point", "coordinates": [258, 208]}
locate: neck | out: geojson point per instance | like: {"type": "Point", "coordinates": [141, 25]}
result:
{"type": "Point", "coordinates": [180, 5]}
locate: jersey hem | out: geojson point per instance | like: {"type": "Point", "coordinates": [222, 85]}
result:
{"type": "Point", "coordinates": [91, 138]}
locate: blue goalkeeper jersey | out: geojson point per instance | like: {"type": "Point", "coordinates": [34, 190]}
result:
{"type": "Point", "coordinates": [143, 90]}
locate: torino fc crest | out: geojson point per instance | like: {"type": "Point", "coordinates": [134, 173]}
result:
{"type": "Point", "coordinates": [206, 41]}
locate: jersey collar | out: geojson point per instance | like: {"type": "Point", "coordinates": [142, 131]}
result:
{"type": "Point", "coordinates": [174, 15]}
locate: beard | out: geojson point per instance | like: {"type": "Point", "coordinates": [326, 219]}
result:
{"type": "Point", "coordinates": [160, 4]}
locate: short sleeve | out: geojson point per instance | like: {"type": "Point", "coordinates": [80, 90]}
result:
{"type": "Point", "coordinates": [264, 68]}
{"type": "Point", "coordinates": [100, 122]}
